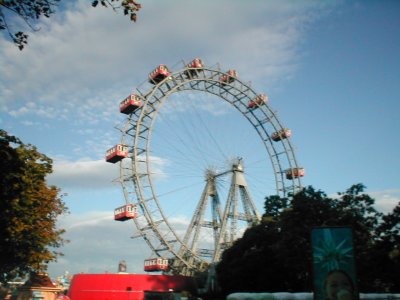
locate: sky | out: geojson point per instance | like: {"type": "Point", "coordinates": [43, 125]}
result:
{"type": "Point", "coordinates": [331, 70]}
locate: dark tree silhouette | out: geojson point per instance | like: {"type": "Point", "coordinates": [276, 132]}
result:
{"type": "Point", "coordinates": [29, 210]}
{"type": "Point", "coordinates": [129, 7]}
{"type": "Point", "coordinates": [27, 10]}
{"type": "Point", "coordinates": [275, 256]}
{"type": "Point", "coordinates": [32, 10]}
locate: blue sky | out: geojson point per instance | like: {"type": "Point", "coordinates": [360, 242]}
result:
{"type": "Point", "coordinates": [331, 70]}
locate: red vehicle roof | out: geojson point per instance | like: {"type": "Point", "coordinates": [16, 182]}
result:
{"type": "Point", "coordinates": [126, 286]}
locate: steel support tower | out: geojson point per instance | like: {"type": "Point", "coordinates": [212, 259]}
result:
{"type": "Point", "coordinates": [225, 227]}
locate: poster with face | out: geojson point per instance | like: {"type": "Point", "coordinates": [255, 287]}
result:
{"type": "Point", "coordinates": [333, 264]}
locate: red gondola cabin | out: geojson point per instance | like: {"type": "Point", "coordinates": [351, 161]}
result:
{"type": "Point", "coordinates": [229, 77]}
{"type": "Point", "coordinates": [196, 63]}
{"type": "Point", "coordinates": [159, 74]}
{"type": "Point", "coordinates": [258, 101]}
{"type": "Point", "coordinates": [130, 104]}
{"type": "Point", "coordinates": [194, 66]}
{"type": "Point", "coordinates": [125, 212]}
{"type": "Point", "coordinates": [116, 153]}
{"type": "Point", "coordinates": [295, 173]}
{"type": "Point", "coordinates": [156, 264]}
{"type": "Point", "coordinates": [281, 134]}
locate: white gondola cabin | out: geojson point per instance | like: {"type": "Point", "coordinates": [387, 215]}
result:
{"type": "Point", "coordinates": [130, 104]}
{"type": "Point", "coordinates": [258, 101]}
{"type": "Point", "coordinates": [281, 134]}
{"type": "Point", "coordinates": [125, 212]}
{"type": "Point", "coordinates": [156, 264]}
{"type": "Point", "coordinates": [229, 77]}
{"type": "Point", "coordinates": [159, 74]}
{"type": "Point", "coordinates": [295, 173]}
{"type": "Point", "coordinates": [193, 67]}
{"type": "Point", "coordinates": [116, 153]}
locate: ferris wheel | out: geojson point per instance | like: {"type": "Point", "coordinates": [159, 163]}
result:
{"type": "Point", "coordinates": [184, 152]}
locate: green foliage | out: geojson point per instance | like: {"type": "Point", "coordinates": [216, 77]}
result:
{"type": "Point", "coordinates": [29, 210]}
{"type": "Point", "coordinates": [129, 7]}
{"type": "Point", "coordinates": [275, 256]}
{"type": "Point", "coordinates": [28, 10]}
{"type": "Point", "coordinates": [31, 10]}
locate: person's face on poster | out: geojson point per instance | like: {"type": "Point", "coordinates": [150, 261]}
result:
{"type": "Point", "coordinates": [338, 286]}
{"type": "Point", "coordinates": [334, 272]}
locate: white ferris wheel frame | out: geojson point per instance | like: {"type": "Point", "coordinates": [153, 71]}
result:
{"type": "Point", "coordinates": [136, 175]}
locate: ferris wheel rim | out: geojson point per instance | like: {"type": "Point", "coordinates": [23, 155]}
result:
{"type": "Point", "coordinates": [179, 81]}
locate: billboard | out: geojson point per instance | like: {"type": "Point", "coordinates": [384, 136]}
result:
{"type": "Point", "coordinates": [334, 271]}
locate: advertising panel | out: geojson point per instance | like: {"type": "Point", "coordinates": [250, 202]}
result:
{"type": "Point", "coordinates": [334, 264]}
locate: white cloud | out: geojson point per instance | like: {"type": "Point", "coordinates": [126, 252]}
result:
{"type": "Point", "coordinates": [386, 200]}
{"type": "Point", "coordinates": [97, 244]}
{"type": "Point", "coordinates": [83, 174]}
{"type": "Point", "coordinates": [84, 61]}
{"type": "Point", "coordinates": [95, 57]}
{"type": "Point", "coordinates": [20, 111]}
{"type": "Point", "coordinates": [94, 174]}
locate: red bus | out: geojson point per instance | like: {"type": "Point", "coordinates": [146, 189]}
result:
{"type": "Point", "coordinates": [128, 286]}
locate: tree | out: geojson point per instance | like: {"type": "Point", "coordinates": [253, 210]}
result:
{"type": "Point", "coordinates": [387, 249]}
{"type": "Point", "coordinates": [29, 210]}
{"type": "Point", "coordinates": [276, 255]}
{"type": "Point", "coordinates": [32, 10]}
{"type": "Point", "coordinates": [129, 7]}
{"type": "Point", "coordinates": [27, 10]}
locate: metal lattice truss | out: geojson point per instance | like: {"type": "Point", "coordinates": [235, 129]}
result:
{"type": "Point", "coordinates": [138, 184]}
